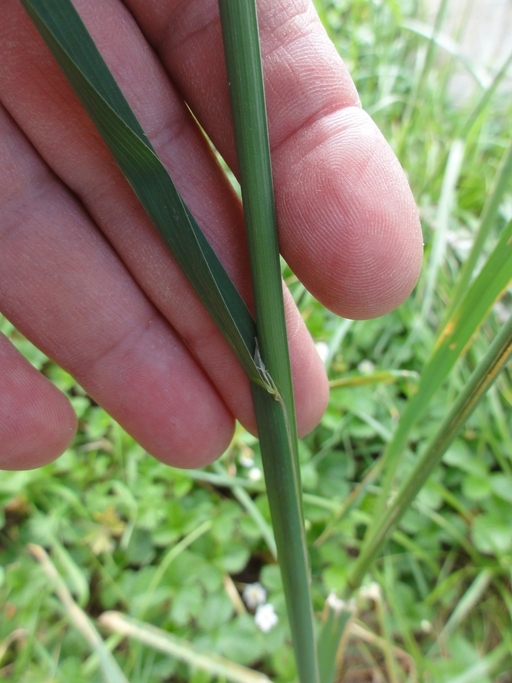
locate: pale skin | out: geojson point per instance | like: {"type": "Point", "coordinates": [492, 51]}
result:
{"type": "Point", "coordinates": [85, 277]}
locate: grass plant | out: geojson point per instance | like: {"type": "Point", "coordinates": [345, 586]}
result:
{"type": "Point", "coordinates": [406, 481]}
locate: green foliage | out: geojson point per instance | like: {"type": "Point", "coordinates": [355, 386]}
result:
{"type": "Point", "coordinates": [174, 548]}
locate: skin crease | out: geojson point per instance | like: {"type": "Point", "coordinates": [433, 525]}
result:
{"type": "Point", "coordinates": [83, 273]}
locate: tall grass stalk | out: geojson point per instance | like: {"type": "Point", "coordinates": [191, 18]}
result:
{"type": "Point", "coordinates": [480, 381]}
{"type": "Point", "coordinates": [452, 342]}
{"type": "Point", "coordinates": [275, 413]}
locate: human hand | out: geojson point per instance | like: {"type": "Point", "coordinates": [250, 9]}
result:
{"type": "Point", "coordinates": [84, 275]}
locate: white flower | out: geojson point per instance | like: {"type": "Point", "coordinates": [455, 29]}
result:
{"type": "Point", "coordinates": [254, 595]}
{"type": "Point", "coordinates": [366, 367]}
{"type": "Point", "coordinates": [255, 474]}
{"type": "Point", "coordinates": [426, 626]}
{"type": "Point", "coordinates": [246, 461]}
{"type": "Point", "coordinates": [323, 350]}
{"type": "Point", "coordinates": [265, 617]}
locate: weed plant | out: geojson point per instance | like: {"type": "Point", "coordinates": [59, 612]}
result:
{"type": "Point", "coordinates": [175, 549]}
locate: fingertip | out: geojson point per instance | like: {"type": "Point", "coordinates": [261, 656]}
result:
{"type": "Point", "coordinates": [351, 228]}
{"type": "Point", "coordinates": [152, 385]}
{"type": "Point", "coordinates": [198, 447]}
{"type": "Point", "coordinates": [49, 427]}
{"type": "Point", "coordinates": [37, 422]}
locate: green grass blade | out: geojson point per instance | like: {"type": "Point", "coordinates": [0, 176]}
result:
{"type": "Point", "coordinates": [473, 122]}
{"type": "Point", "coordinates": [444, 212]}
{"type": "Point", "coordinates": [480, 381]}
{"type": "Point", "coordinates": [109, 667]}
{"type": "Point", "coordinates": [68, 39]}
{"type": "Point", "coordinates": [467, 602]}
{"type": "Point", "coordinates": [169, 557]}
{"type": "Point", "coordinates": [470, 130]}
{"type": "Point", "coordinates": [73, 575]}
{"type": "Point", "coordinates": [416, 97]}
{"type": "Point", "coordinates": [498, 661]}
{"type": "Point", "coordinates": [165, 642]}
{"type": "Point", "coordinates": [487, 221]}
{"type": "Point", "coordinates": [276, 418]}
{"type": "Point", "coordinates": [338, 614]}
{"type": "Point", "coordinates": [469, 314]}
{"type": "Point", "coordinates": [382, 377]}
{"type": "Point", "coordinates": [444, 42]}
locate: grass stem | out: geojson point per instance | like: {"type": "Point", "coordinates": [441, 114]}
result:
{"type": "Point", "coordinates": [275, 412]}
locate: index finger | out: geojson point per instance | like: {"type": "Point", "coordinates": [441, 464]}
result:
{"type": "Point", "coordinates": [348, 222]}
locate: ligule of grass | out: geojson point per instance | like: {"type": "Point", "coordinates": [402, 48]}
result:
{"type": "Point", "coordinates": [480, 381]}
{"type": "Point", "coordinates": [275, 413]}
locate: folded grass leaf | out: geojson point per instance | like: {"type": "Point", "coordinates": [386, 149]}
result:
{"type": "Point", "coordinates": [68, 39]}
